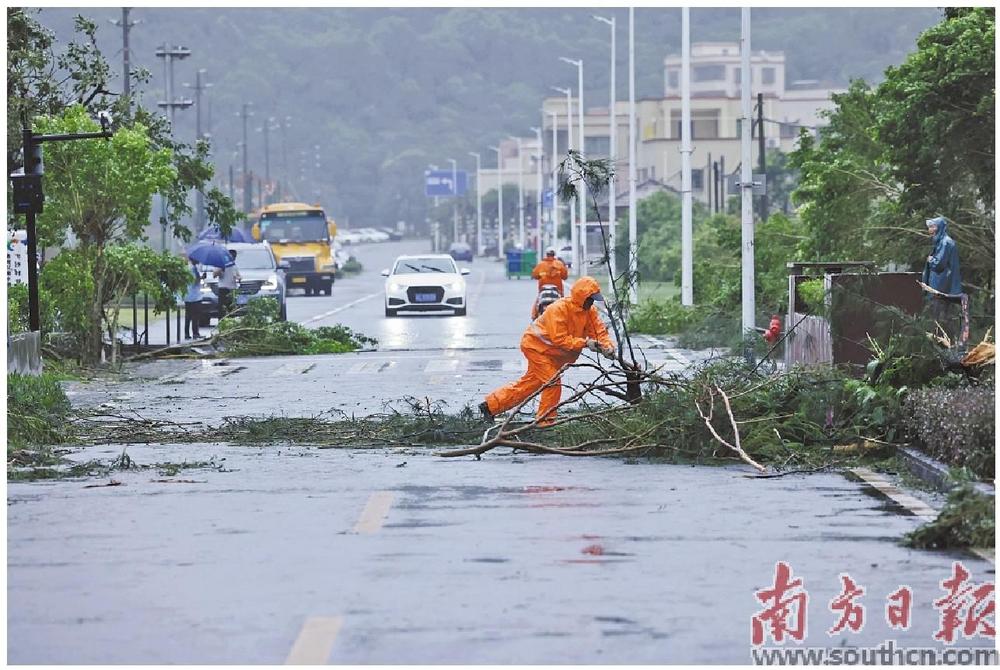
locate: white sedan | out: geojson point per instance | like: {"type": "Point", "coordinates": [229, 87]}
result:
{"type": "Point", "coordinates": [425, 283]}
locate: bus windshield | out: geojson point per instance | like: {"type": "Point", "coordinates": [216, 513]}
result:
{"type": "Point", "coordinates": [294, 227]}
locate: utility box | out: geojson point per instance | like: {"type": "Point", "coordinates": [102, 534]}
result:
{"type": "Point", "coordinates": [855, 300]}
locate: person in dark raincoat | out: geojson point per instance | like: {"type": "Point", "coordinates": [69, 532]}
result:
{"type": "Point", "coordinates": [942, 272]}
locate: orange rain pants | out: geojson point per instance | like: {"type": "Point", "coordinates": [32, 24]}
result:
{"type": "Point", "coordinates": [554, 339]}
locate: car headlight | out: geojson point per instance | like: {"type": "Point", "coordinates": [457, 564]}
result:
{"type": "Point", "coordinates": [270, 284]}
{"type": "Point", "coordinates": [394, 286]}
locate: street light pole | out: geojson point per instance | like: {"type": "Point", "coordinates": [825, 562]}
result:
{"type": "Point", "coordinates": [454, 203]}
{"type": "Point", "coordinates": [538, 194]}
{"type": "Point", "coordinates": [500, 250]}
{"type": "Point", "coordinates": [520, 192]}
{"type": "Point", "coordinates": [555, 176]}
{"type": "Point", "coordinates": [687, 197]}
{"type": "Point", "coordinates": [612, 150]}
{"type": "Point", "coordinates": [581, 186]}
{"type": "Point", "coordinates": [633, 227]}
{"type": "Point", "coordinates": [573, 239]}
{"type": "Point", "coordinates": [479, 205]}
{"type": "Point", "coordinates": [746, 180]}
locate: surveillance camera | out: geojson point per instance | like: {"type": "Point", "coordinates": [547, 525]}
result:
{"type": "Point", "coordinates": [104, 117]}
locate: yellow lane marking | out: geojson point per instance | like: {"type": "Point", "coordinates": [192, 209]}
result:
{"type": "Point", "coordinates": [917, 507]}
{"type": "Point", "coordinates": [374, 514]}
{"type": "Point", "coordinates": [315, 641]}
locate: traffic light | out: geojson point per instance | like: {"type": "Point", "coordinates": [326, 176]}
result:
{"type": "Point", "coordinates": [33, 163]}
{"type": "Point", "coordinates": [27, 184]}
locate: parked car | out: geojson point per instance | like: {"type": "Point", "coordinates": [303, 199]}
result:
{"type": "Point", "coordinates": [394, 236]}
{"type": "Point", "coordinates": [260, 277]}
{"type": "Point", "coordinates": [349, 236]}
{"type": "Point", "coordinates": [425, 283]}
{"type": "Point", "coordinates": [460, 251]}
{"type": "Point", "coordinates": [372, 235]}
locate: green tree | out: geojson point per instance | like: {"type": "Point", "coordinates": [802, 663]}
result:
{"type": "Point", "coordinates": [101, 190]}
{"type": "Point", "coordinates": [917, 146]}
{"type": "Point", "coordinates": [42, 81]}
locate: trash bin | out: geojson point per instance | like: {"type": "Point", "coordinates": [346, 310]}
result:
{"type": "Point", "coordinates": [529, 259]}
{"type": "Point", "coordinates": [514, 264]}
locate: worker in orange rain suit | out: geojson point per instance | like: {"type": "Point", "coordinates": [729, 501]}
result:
{"type": "Point", "coordinates": [566, 328]}
{"type": "Point", "coordinates": [550, 270]}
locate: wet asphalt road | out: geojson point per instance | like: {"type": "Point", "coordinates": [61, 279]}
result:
{"type": "Point", "coordinates": [282, 554]}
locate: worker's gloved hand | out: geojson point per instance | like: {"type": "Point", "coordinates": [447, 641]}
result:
{"type": "Point", "coordinates": [593, 344]}
{"type": "Point", "coordinates": [609, 353]}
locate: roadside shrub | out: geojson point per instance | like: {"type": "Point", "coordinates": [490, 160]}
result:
{"type": "Point", "coordinates": [17, 308]}
{"type": "Point", "coordinates": [967, 520]}
{"type": "Point", "coordinates": [351, 267]}
{"type": "Point", "coordinates": [956, 425]}
{"type": "Point", "coordinates": [258, 332]}
{"type": "Point", "coordinates": [36, 410]}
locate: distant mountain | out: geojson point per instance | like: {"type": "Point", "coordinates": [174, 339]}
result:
{"type": "Point", "coordinates": [384, 92]}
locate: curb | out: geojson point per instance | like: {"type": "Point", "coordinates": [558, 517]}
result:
{"type": "Point", "coordinates": [936, 473]}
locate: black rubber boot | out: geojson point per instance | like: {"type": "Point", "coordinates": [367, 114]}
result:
{"type": "Point", "coordinates": [484, 409]}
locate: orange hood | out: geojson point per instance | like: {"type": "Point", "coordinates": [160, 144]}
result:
{"type": "Point", "coordinates": [583, 289]}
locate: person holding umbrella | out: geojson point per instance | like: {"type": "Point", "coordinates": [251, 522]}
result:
{"type": "Point", "coordinates": [229, 281]}
{"type": "Point", "coordinates": [192, 304]}
{"type": "Point", "coordinates": [216, 255]}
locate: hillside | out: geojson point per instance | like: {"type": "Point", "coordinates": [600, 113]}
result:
{"type": "Point", "coordinates": [382, 93]}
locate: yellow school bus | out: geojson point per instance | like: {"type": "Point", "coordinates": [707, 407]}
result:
{"type": "Point", "coordinates": [301, 237]}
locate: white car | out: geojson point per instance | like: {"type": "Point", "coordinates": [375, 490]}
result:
{"type": "Point", "coordinates": [425, 283]}
{"type": "Point", "coordinates": [349, 236]}
{"type": "Point", "coordinates": [372, 235]}
{"type": "Point", "coordinates": [565, 254]}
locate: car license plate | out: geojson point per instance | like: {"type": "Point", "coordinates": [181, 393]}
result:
{"type": "Point", "coordinates": [425, 297]}
{"type": "Point", "coordinates": [298, 280]}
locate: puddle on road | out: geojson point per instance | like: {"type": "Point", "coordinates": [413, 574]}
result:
{"type": "Point", "coordinates": [487, 560]}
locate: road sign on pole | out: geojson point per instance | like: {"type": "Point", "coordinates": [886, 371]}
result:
{"type": "Point", "coordinates": [441, 183]}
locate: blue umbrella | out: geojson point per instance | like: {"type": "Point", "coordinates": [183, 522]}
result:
{"type": "Point", "coordinates": [209, 253]}
{"type": "Point", "coordinates": [212, 233]}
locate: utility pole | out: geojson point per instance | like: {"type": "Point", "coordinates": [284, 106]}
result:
{"type": "Point", "coordinates": [612, 150]}
{"type": "Point", "coordinates": [479, 204]}
{"type": "Point", "coordinates": [198, 87]}
{"type": "Point", "coordinates": [633, 227]}
{"type": "Point", "coordinates": [761, 160]}
{"type": "Point", "coordinates": [285, 123]}
{"type": "Point", "coordinates": [244, 114]}
{"type": "Point", "coordinates": [500, 240]}
{"type": "Point", "coordinates": [126, 27]}
{"type": "Point", "coordinates": [687, 197]}
{"type": "Point", "coordinates": [746, 181]}
{"type": "Point", "coordinates": [232, 193]}
{"type": "Point", "coordinates": [171, 105]}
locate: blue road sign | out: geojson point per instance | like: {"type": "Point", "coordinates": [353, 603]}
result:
{"type": "Point", "coordinates": [547, 198]}
{"type": "Point", "coordinates": [439, 183]}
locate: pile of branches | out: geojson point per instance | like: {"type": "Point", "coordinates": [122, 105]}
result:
{"type": "Point", "coordinates": [724, 410]}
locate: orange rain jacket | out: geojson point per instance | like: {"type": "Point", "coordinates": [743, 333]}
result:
{"type": "Point", "coordinates": [550, 271]}
{"type": "Point", "coordinates": [554, 339]}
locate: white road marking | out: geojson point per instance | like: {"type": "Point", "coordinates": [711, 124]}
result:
{"type": "Point", "coordinates": [293, 368]}
{"type": "Point", "coordinates": [315, 641]}
{"type": "Point", "coordinates": [441, 365]}
{"type": "Point", "coordinates": [374, 513]}
{"type": "Point", "coordinates": [324, 315]}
